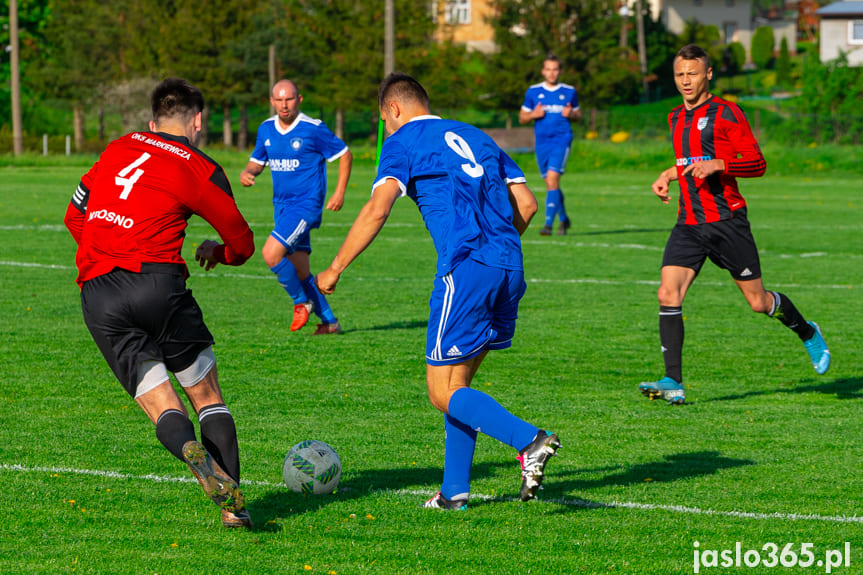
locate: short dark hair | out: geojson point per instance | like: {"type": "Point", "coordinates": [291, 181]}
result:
{"type": "Point", "coordinates": [694, 52]}
{"type": "Point", "coordinates": [175, 97]}
{"type": "Point", "coordinates": [551, 57]}
{"type": "Point", "coordinates": [400, 86]}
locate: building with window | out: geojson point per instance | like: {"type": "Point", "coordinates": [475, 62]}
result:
{"type": "Point", "coordinates": [841, 30]}
{"type": "Point", "coordinates": [465, 22]}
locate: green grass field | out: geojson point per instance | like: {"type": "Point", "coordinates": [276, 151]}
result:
{"type": "Point", "coordinates": [764, 452]}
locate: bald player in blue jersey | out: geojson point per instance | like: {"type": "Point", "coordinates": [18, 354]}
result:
{"type": "Point", "coordinates": [297, 149]}
{"type": "Point", "coordinates": [475, 204]}
{"type": "Point", "coordinates": [551, 105]}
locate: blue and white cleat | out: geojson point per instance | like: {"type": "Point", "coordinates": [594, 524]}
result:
{"type": "Point", "coordinates": [818, 352]}
{"type": "Point", "coordinates": [666, 388]}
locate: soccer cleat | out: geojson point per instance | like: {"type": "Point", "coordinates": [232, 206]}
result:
{"type": "Point", "coordinates": [328, 328]}
{"type": "Point", "coordinates": [441, 502]}
{"type": "Point", "coordinates": [217, 484]}
{"type": "Point", "coordinates": [545, 231]}
{"type": "Point", "coordinates": [666, 388]}
{"type": "Point", "coordinates": [533, 459]}
{"type": "Point", "coordinates": [818, 352]}
{"type": "Point", "coordinates": [301, 315]}
{"type": "Point", "coordinates": [564, 227]}
{"type": "Point", "coordinates": [237, 519]}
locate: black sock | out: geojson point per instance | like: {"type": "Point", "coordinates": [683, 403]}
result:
{"type": "Point", "coordinates": [671, 338]}
{"type": "Point", "coordinates": [784, 311]}
{"type": "Point", "coordinates": [219, 436]}
{"type": "Point", "coordinates": [173, 430]}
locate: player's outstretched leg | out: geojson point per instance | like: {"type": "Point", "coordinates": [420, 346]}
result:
{"type": "Point", "coordinates": [808, 331]}
{"type": "Point", "coordinates": [671, 340]}
{"type": "Point", "coordinates": [480, 411]}
{"type": "Point", "coordinates": [817, 349]}
{"type": "Point", "coordinates": [288, 279]}
{"type": "Point", "coordinates": [565, 222]}
{"type": "Point", "coordinates": [460, 444]}
{"type": "Point", "coordinates": [216, 483]}
{"type": "Point", "coordinates": [551, 208]}
{"type": "Point", "coordinates": [533, 459]}
{"type": "Point", "coordinates": [329, 324]}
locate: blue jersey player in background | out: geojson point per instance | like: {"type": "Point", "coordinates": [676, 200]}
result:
{"type": "Point", "coordinates": [297, 149]}
{"type": "Point", "coordinates": [551, 105]}
{"type": "Point", "coordinates": [475, 204]}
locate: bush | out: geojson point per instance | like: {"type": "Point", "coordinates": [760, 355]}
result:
{"type": "Point", "coordinates": [762, 46]}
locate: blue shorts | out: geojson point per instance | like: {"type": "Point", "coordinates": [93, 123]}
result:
{"type": "Point", "coordinates": [473, 308]}
{"type": "Point", "coordinates": [552, 156]}
{"type": "Point", "coordinates": [293, 229]}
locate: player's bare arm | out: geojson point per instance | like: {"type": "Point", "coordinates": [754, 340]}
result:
{"type": "Point", "coordinates": [660, 186]}
{"type": "Point", "coordinates": [523, 206]}
{"type": "Point", "coordinates": [366, 227]}
{"type": "Point", "coordinates": [337, 200]}
{"type": "Point", "coordinates": [247, 176]}
{"type": "Point", "coordinates": [702, 170]}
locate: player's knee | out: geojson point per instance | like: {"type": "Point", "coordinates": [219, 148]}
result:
{"type": "Point", "coordinates": [760, 304]}
{"type": "Point", "coordinates": [200, 368]}
{"type": "Point", "coordinates": [271, 257]}
{"type": "Point", "coordinates": [667, 296]}
{"type": "Point", "coordinates": [439, 398]}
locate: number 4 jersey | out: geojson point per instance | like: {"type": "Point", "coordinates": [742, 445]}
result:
{"type": "Point", "coordinates": [458, 178]}
{"type": "Point", "coordinates": [133, 205]}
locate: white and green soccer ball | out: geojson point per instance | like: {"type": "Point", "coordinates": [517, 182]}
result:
{"type": "Point", "coordinates": [312, 467]}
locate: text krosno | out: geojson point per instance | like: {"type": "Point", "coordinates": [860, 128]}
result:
{"type": "Point", "coordinates": [112, 218]}
{"type": "Point", "coordinates": [771, 555]}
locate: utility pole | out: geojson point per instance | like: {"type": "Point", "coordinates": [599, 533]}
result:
{"type": "Point", "coordinates": [17, 131]}
{"type": "Point", "coordinates": [271, 68]}
{"type": "Point", "coordinates": [642, 49]}
{"type": "Point", "coordinates": [389, 38]}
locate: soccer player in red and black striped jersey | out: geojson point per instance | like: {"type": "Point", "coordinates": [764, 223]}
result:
{"type": "Point", "coordinates": [714, 146]}
{"type": "Point", "coordinates": [128, 217]}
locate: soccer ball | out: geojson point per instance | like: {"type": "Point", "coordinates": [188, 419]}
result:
{"type": "Point", "coordinates": [312, 467]}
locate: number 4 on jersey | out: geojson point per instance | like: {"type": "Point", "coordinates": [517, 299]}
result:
{"type": "Point", "coordinates": [127, 183]}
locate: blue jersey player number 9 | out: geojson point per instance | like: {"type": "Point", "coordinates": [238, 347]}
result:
{"type": "Point", "coordinates": [460, 147]}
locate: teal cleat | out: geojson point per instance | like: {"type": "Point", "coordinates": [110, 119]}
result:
{"type": "Point", "coordinates": [818, 352]}
{"type": "Point", "coordinates": [666, 388]}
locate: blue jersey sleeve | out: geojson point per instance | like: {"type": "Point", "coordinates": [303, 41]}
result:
{"type": "Point", "coordinates": [529, 101]}
{"type": "Point", "coordinates": [260, 153]}
{"type": "Point", "coordinates": [511, 173]}
{"type": "Point", "coordinates": [574, 99]}
{"type": "Point", "coordinates": [328, 144]}
{"type": "Point", "coordinates": [394, 164]}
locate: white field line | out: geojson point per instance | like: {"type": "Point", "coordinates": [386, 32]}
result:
{"type": "Point", "coordinates": [575, 281]}
{"type": "Point", "coordinates": [569, 502]}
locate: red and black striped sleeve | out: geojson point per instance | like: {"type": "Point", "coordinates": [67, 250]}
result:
{"type": "Point", "coordinates": [748, 161]}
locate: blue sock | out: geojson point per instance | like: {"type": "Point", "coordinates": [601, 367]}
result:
{"type": "Point", "coordinates": [460, 445]}
{"type": "Point", "coordinates": [287, 274]}
{"type": "Point", "coordinates": [482, 413]}
{"type": "Point", "coordinates": [322, 307]}
{"type": "Point", "coordinates": [561, 212]}
{"type": "Point", "coordinates": [551, 206]}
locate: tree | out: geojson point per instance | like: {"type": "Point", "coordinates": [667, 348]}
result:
{"type": "Point", "coordinates": [783, 65]}
{"type": "Point", "coordinates": [762, 46]}
{"type": "Point", "coordinates": [583, 34]}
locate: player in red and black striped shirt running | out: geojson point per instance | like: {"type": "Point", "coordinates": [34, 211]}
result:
{"type": "Point", "coordinates": [714, 145]}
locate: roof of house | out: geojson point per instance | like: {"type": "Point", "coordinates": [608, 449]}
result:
{"type": "Point", "coordinates": [840, 9]}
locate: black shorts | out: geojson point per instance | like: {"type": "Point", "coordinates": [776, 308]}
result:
{"type": "Point", "coordinates": [134, 317]}
{"type": "Point", "coordinates": [728, 243]}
